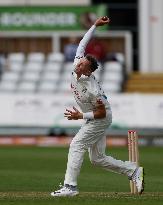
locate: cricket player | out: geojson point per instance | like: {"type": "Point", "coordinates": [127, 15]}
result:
{"type": "Point", "coordinates": [97, 115]}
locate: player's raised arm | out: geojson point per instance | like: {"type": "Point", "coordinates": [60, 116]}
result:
{"type": "Point", "coordinates": [83, 43]}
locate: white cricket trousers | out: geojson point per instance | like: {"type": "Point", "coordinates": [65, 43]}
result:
{"type": "Point", "coordinates": [91, 137]}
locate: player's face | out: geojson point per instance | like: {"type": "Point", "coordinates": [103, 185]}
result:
{"type": "Point", "coordinates": [84, 67]}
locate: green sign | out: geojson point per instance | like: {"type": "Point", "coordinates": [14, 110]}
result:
{"type": "Point", "coordinates": [49, 18]}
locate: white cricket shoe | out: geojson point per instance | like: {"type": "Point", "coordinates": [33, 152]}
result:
{"type": "Point", "coordinates": [66, 190]}
{"type": "Point", "coordinates": [138, 178]}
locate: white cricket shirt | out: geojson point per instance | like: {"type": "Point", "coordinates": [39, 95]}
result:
{"type": "Point", "coordinates": [87, 90]}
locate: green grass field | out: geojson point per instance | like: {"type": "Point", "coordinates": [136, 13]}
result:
{"type": "Point", "coordinates": [29, 174]}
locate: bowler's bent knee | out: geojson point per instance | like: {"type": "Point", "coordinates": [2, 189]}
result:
{"type": "Point", "coordinates": [97, 161]}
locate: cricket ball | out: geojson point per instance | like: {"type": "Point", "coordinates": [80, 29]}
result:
{"type": "Point", "coordinates": [105, 18]}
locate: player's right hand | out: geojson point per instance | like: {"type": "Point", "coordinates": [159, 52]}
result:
{"type": "Point", "coordinates": [100, 21]}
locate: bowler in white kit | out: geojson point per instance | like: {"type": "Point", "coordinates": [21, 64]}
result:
{"type": "Point", "coordinates": [97, 115]}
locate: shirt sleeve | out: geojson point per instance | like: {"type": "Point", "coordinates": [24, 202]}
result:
{"type": "Point", "coordinates": [83, 43]}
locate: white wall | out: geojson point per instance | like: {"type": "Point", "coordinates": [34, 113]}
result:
{"type": "Point", "coordinates": [12, 2]}
{"type": "Point", "coordinates": [129, 110]}
{"type": "Point", "coordinates": [45, 2]}
{"type": "Point", "coordinates": [151, 35]}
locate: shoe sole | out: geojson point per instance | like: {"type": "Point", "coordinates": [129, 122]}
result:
{"type": "Point", "coordinates": [142, 188]}
{"type": "Point", "coordinates": [64, 195]}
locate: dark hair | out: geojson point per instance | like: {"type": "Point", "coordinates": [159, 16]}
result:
{"type": "Point", "coordinates": [93, 61]}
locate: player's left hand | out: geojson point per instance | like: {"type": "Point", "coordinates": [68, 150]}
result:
{"type": "Point", "coordinates": [73, 115]}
